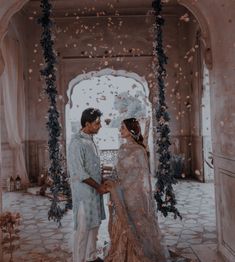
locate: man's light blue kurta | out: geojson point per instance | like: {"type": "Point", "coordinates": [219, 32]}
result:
{"type": "Point", "coordinates": [84, 163]}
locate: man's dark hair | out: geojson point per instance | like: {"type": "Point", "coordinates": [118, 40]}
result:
{"type": "Point", "coordinates": [90, 115]}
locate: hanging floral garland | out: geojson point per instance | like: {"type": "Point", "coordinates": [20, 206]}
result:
{"type": "Point", "coordinates": [164, 193]}
{"type": "Point", "coordinates": [59, 179]}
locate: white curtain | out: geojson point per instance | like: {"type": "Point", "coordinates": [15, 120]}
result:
{"type": "Point", "coordinates": [12, 84]}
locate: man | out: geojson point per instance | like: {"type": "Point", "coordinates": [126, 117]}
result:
{"type": "Point", "coordinates": [87, 187]}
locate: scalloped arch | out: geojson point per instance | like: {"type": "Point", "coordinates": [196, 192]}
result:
{"type": "Point", "coordinates": [11, 8]}
{"type": "Point", "coordinates": [206, 37]}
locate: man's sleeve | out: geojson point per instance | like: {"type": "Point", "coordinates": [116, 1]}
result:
{"type": "Point", "coordinates": [77, 162]}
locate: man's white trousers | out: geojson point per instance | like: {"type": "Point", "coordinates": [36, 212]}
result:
{"type": "Point", "coordinates": [84, 245]}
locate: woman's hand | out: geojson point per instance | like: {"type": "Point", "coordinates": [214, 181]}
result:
{"type": "Point", "coordinates": [102, 189]}
{"type": "Point", "coordinates": [109, 184]}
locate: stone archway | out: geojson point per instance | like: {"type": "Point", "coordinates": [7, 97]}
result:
{"type": "Point", "coordinates": [133, 87]}
{"type": "Point", "coordinates": [194, 8]}
{"type": "Point", "coordinates": [9, 8]}
{"type": "Point", "coordinates": [223, 161]}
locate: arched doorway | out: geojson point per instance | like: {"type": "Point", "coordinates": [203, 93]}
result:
{"type": "Point", "coordinates": [119, 95]}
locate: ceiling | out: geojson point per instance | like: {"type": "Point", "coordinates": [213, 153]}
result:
{"type": "Point", "coordinates": [102, 7]}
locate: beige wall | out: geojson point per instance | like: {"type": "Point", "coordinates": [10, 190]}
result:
{"type": "Point", "coordinates": [129, 37]}
{"type": "Point", "coordinates": [223, 118]}
{"type": "Point", "coordinates": [125, 38]}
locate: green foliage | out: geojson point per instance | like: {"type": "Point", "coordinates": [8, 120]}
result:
{"type": "Point", "coordinates": [56, 169]}
{"type": "Point", "coordinates": [164, 193]}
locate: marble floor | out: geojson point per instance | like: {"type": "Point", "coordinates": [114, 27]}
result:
{"type": "Point", "coordinates": [42, 240]}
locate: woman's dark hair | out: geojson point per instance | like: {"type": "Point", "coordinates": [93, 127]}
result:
{"type": "Point", "coordinates": [133, 126]}
{"type": "Point", "coordinates": [90, 115]}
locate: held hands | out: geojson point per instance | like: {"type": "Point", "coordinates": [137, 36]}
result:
{"type": "Point", "coordinates": [105, 187]}
{"type": "Point", "coordinates": [101, 189]}
{"type": "Point", "coordinates": [109, 184]}
{"type": "Point", "coordinates": [106, 184]}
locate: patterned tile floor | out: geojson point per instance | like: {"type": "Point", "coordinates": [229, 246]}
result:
{"type": "Point", "coordinates": [42, 240]}
{"type": "Point", "coordinates": [197, 206]}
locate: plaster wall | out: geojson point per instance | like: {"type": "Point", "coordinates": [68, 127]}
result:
{"type": "Point", "coordinates": [220, 19]}
{"type": "Point", "coordinates": [92, 44]}
{"type": "Point", "coordinates": [194, 83]}
{"type": "Point", "coordinates": [206, 128]}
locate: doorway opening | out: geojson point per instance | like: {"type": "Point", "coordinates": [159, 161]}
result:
{"type": "Point", "coordinates": [119, 95]}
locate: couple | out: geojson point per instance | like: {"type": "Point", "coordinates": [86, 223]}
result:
{"type": "Point", "coordinates": [133, 228]}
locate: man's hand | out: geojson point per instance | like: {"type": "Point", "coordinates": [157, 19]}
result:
{"type": "Point", "coordinates": [101, 189]}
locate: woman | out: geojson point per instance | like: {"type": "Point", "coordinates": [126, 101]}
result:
{"type": "Point", "coordinates": [133, 228]}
